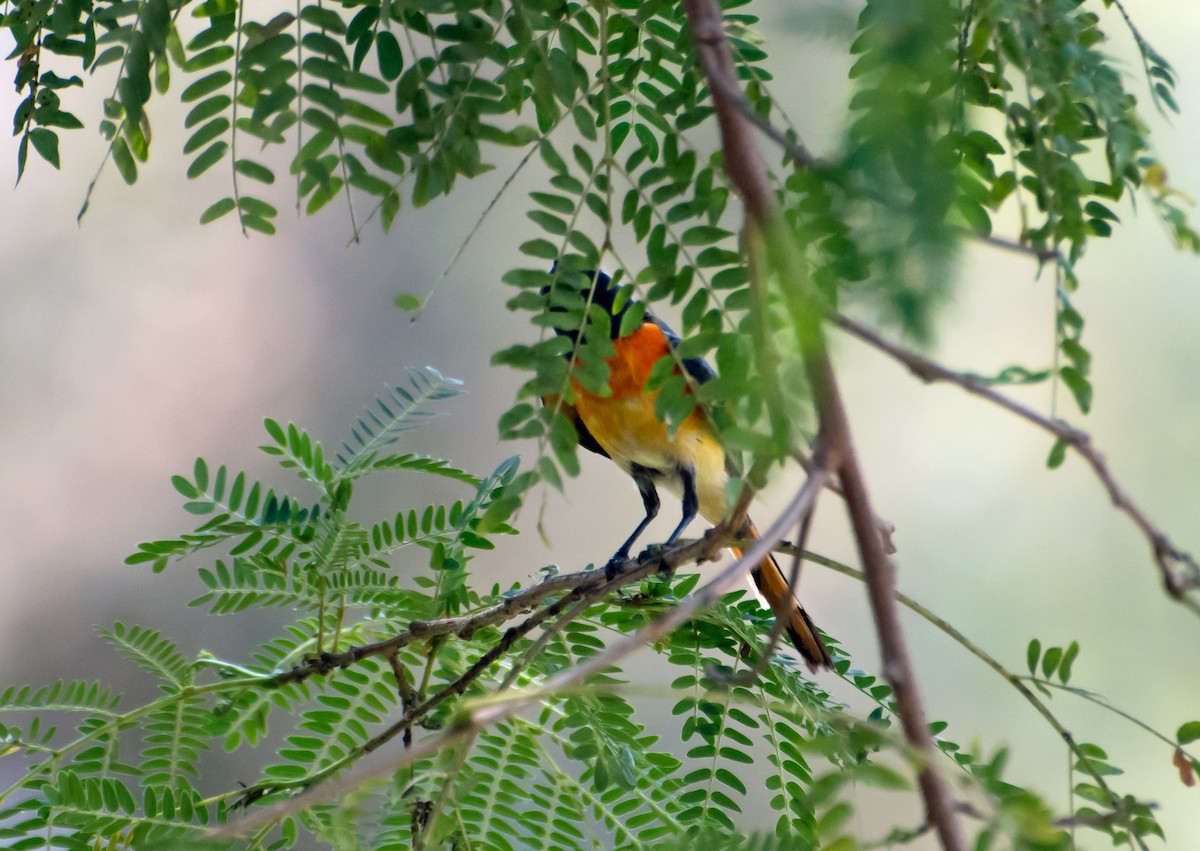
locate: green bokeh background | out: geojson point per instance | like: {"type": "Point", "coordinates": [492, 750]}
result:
{"type": "Point", "coordinates": [136, 341]}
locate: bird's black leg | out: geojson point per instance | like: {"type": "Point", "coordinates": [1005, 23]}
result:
{"type": "Point", "coordinates": [691, 503]}
{"type": "Point", "coordinates": [644, 478]}
{"type": "Point", "coordinates": [691, 506]}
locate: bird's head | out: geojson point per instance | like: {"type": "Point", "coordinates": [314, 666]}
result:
{"type": "Point", "coordinates": [577, 294]}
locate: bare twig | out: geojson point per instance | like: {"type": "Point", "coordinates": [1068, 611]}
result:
{"type": "Point", "coordinates": [465, 626]}
{"type": "Point", "coordinates": [1042, 255]}
{"type": "Point", "coordinates": [886, 528]}
{"type": "Point", "coordinates": [751, 674]}
{"type": "Point", "coordinates": [707, 596]}
{"type": "Point", "coordinates": [408, 694]}
{"type": "Point", "coordinates": [794, 151]}
{"type": "Point", "coordinates": [1178, 569]}
{"type": "Point", "coordinates": [744, 165]}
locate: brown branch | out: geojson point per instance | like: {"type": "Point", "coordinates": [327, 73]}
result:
{"type": "Point", "coordinates": [408, 694]}
{"type": "Point", "coordinates": [886, 528]}
{"type": "Point", "coordinates": [1178, 569]}
{"type": "Point", "coordinates": [751, 675]}
{"type": "Point", "coordinates": [575, 591]}
{"type": "Point", "coordinates": [465, 626]}
{"type": "Point", "coordinates": [707, 596]}
{"type": "Point", "coordinates": [526, 600]}
{"type": "Point", "coordinates": [747, 173]}
{"type": "Point", "coordinates": [1017, 682]}
{"type": "Point", "coordinates": [501, 706]}
{"type": "Point", "coordinates": [792, 149]}
{"type": "Point", "coordinates": [1042, 255]}
{"type": "Point", "coordinates": [803, 158]}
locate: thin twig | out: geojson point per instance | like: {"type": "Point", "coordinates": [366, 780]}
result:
{"type": "Point", "coordinates": [734, 96]}
{"type": "Point", "coordinates": [408, 695]}
{"type": "Point", "coordinates": [535, 649]}
{"type": "Point", "coordinates": [747, 173]}
{"type": "Point", "coordinates": [463, 626]}
{"type": "Point", "coordinates": [773, 638]}
{"type": "Point", "coordinates": [886, 527]}
{"type": "Point", "coordinates": [1167, 556]}
{"type": "Point", "coordinates": [1043, 255]}
{"type": "Point", "coordinates": [686, 609]}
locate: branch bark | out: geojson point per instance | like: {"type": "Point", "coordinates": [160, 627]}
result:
{"type": "Point", "coordinates": [747, 172]}
{"type": "Point", "coordinates": [492, 710]}
{"type": "Point", "coordinates": [1178, 569]}
{"type": "Point", "coordinates": [583, 584]}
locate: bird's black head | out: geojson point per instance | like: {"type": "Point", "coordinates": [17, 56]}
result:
{"type": "Point", "coordinates": [574, 291]}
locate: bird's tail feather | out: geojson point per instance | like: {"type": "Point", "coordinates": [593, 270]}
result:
{"type": "Point", "coordinates": [772, 583]}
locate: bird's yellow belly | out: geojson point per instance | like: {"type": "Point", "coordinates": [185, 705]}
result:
{"type": "Point", "coordinates": [631, 434]}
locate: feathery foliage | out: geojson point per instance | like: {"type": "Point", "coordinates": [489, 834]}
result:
{"type": "Point", "coordinates": [596, 764]}
{"type": "Point", "coordinates": [964, 117]}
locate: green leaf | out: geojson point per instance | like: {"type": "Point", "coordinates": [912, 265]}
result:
{"type": "Point", "coordinates": [45, 142]}
{"type": "Point", "coordinates": [207, 159]}
{"type": "Point", "coordinates": [217, 210]}
{"type": "Point", "coordinates": [206, 134]}
{"type": "Point", "coordinates": [206, 86]}
{"type": "Point", "coordinates": [256, 207]}
{"type": "Point", "coordinates": [326, 19]}
{"type": "Point", "coordinates": [22, 156]}
{"type": "Point", "coordinates": [391, 60]}
{"type": "Point", "coordinates": [1079, 386]}
{"type": "Point", "coordinates": [1064, 667]}
{"type": "Point", "coordinates": [1188, 733]}
{"type": "Point", "coordinates": [1058, 453]}
{"type": "Point", "coordinates": [704, 235]}
{"type": "Point", "coordinates": [408, 302]}
{"type": "Point", "coordinates": [124, 161]}
{"type": "Point", "coordinates": [881, 776]}
{"type": "Point", "coordinates": [1032, 654]}
{"type": "Point", "coordinates": [254, 170]}
{"type": "Point", "coordinates": [1050, 661]}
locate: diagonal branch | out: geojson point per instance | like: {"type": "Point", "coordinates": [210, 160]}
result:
{"type": "Point", "coordinates": [747, 173]}
{"type": "Point", "coordinates": [1179, 570]}
{"type": "Point", "coordinates": [588, 585]}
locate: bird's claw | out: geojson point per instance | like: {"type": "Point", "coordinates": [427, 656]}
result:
{"type": "Point", "coordinates": [615, 566]}
{"type": "Point", "coordinates": [654, 552]}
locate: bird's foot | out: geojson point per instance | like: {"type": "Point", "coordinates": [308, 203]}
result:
{"type": "Point", "coordinates": [615, 566]}
{"type": "Point", "coordinates": [654, 552]}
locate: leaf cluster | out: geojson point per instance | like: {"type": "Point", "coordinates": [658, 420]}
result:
{"type": "Point", "coordinates": [961, 114]}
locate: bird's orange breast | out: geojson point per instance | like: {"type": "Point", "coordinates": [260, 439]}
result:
{"type": "Point", "coordinates": [626, 426]}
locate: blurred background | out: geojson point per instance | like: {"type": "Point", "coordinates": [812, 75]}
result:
{"type": "Point", "coordinates": [137, 340]}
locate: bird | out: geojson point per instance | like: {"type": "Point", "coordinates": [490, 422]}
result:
{"type": "Point", "coordinates": [689, 462]}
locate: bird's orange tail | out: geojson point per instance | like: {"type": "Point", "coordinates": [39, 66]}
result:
{"type": "Point", "coordinates": [772, 583]}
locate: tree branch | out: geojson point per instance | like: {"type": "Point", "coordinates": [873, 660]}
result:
{"type": "Point", "coordinates": [747, 172]}
{"type": "Point", "coordinates": [1118, 803]}
{"type": "Point", "coordinates": [886, 527]}
{"type": "Point", "coordinates": [802, 157]}
{"type": "Point", "coordinates": [589, 583]}
{"type": "Point", "coordinates": [1179, 570]}
{"type": "Point", "coordinates": [500, 706]}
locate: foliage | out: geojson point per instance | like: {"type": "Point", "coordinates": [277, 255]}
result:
{"type": "Point", "coordinates": [960, 115]}
{"type": "Point", "coordinates": [964, 117]}
{"type": "Point", "coordinates": [586, 769]}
